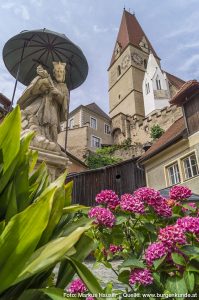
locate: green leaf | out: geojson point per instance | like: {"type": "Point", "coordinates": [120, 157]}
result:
{"type": "Point", "coordinates": [64, 229]}
{"type": "Point", "coordinates": [157, 279]}
{"type": "Point", "coordinates": [190, 280]}
{"type": "Point", "coordinates": [87, 277]}
{"type": "Point", "coordinates": [187, 206]}
{"type": "Point", "coordinates": [2, 226]}
{"type": "Point", "coordinates": [193, 266]}
{"type": "Point", "coordinates": [120, 220]}
{"type": "Point", "coordinates": [190, 250]}
{"type": "Point", "coordinates": [68, 195]}
{"type": "Point", "coordinates": [178, 259]}
{"type": "Point", "coordinates": [52, 293]}
{"type": "Point", "coordinates": [150, 227]}
{"type": "Point", "coordinates": [20, 237]}
{"type": "Point", "coordinates": [124, 276]}
{"type": "Point", "coordinates": [133, 262]}
{"type": "Point", "coordinates": [48, 255]}
{"type": "Point", "coordinates": [176, 285]}
{"type": "Point", "coordinates": [32, 160]}
{"type": "Point", "coordinates": [55, 216]}
{"type": "Point", "coordinates": [74, 208]}
{"type": "Point", "coordinates": [66, 272]}
{"type": "Point", "coordinates": [22, 185]}
{"type": "Point", "coordinates": [158, 262]}
{"type": "Point", "coordinates": [12, 203]}
{"type": "Point", "coordinates": [10, 137]}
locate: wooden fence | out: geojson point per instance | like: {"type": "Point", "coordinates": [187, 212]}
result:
{"type": "Point", "coordinates": [124, 177]}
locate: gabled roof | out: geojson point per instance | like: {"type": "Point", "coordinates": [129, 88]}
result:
{"type": "Point", "coordinates": [92, 107]}
{"type": "Point", "coordinates": [174, 80]}
{"type": "Point", "coordinates": [187, 90]}
{"type": "Point", "coordinates": [95, 108]}
{"type": "Point", "coordinates": [175, 132]}
{"type": "Point", "coordinates": [130, 32]}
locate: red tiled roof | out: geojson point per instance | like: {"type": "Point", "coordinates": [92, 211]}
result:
{"type": "Point", "coordinates": [176, 81]}
{"type": "Point", "coordinates": [174, 133]}
{"type": "Point", "coordinates": [130, 32]}
{"type": "Point", "coordinates": [187, 90]}
{"type": "Point", "coordinates": [4, 100]}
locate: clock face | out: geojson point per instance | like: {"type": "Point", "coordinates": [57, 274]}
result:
{"type": "Point", "coordinates": [125, 61]}
{"type": "Point", "coordinates": [137, 59]}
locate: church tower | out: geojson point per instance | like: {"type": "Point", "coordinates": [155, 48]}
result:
{"type": "Point", "coordinates": [127, 68]}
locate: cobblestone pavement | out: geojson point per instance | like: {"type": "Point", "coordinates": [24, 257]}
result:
{"type": "Point", "coordinates": [104, 274]}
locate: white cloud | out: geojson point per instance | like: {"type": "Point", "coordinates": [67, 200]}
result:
{"type": "Point", "coordinates": [187, 66]}
{"type": "Point", "coordinates": [98, 29]}
{"type": "Point", "coordinates": [37, 2]}
{"type": "Point", "coordinates": [18, 9]}
{"type": "Point", "coordinates": [8, 5]}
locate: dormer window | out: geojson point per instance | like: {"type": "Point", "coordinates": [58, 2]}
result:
{"type": "Point", "coordinates": [158, 83]}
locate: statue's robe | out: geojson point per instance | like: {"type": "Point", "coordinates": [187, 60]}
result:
{"type": "Point", "coordinates": [48, 110]}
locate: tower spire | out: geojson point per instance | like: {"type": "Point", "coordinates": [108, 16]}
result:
{"type": "Point", "coordinates": [130, 32]}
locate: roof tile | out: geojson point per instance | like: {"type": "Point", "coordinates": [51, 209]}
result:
{"type": "Point", "coordinates": [175, 131]}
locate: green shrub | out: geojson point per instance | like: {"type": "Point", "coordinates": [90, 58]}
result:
{"type": "Point", "coordinates": [38, 225]}
{"type": "Point", "coordinates": [156, 131]}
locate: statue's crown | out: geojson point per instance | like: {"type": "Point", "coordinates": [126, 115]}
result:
{"type": "Point", "coordinates": [60, 64]}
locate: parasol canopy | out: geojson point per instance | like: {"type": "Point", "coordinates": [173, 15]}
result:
{"type": "Point", "coordinates": [25, 51]}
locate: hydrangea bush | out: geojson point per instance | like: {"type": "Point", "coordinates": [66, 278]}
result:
{"type": "Point", "coordinates": [156, 239]}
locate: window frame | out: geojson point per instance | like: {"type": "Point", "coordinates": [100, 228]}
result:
{"type": "Point", "coordinates": [95, 137]}
{"type": "Point", "coordinates": [158, 83]}
{"type": "Point", "coordinates": [190, 167]}
{"type": "Point", "coordinates": [176, 173]}
{"type": "Point", "coordinates": [69, 123]}
{"type": "Point", "coordinates": [93, 118]}
{"type": "Point", "coordinates": [108, 133]}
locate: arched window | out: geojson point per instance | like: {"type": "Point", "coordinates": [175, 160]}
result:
{"type": "Point", "coordinates": [145, 63]}
{"type": "Point", "coordinates": [158, 83]}
{"type": "Point", "coordinates": [147, 88]}
{"type": "Point", "coordinates": [118, 70]}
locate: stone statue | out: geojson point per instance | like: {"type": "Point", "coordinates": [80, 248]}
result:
{"type": "Point", "coordinates": [44, 106]}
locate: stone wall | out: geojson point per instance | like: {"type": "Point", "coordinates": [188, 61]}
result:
{"type": "Point", "coordinates": [76, 141]}
{"type": "Point", "coordinates": [138, 128]}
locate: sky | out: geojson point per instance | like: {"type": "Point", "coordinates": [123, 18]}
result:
{"type": "Point", "coordinates": [172, 27]}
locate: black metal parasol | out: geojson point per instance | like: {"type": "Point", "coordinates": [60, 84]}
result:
{"type": "Point", "coordinates": [25, 51]}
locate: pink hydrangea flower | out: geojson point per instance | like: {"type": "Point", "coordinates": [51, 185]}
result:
{"type": "Point", "coordinates": [154, 251]}
{"type": "Point", "coordinates": [109, 198]}
{"type": "Point", "coordinates": [189, 224]}
{"type": "Point", "coordinates": [191, 204]}
{"type": "Point", "coordinates": [77, 286]}
{"type": "Point", "coordinates": [114, 249]}
{"type": "Point", "coordinates": [172, 235]}
{"type": "Point", "coordinates": [132, 204]}
{"type": "Point", "coordinates": [102, 216]}
{"type": "Point", "coordinates": [162, 208]}
{"type": "Point", "coordinates": [141, 276]}
{"type": "Point", "coordinates": [148, 195]}
{"type": "Point", "coordinates": [90, 298]}
{"type": "Point", "coordinates": [180, 192]}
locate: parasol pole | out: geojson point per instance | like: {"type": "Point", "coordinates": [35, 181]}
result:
{"type": "Point", "coordinates": [16, 80]}
{"type": "Point", "coordinates": [66, 134]}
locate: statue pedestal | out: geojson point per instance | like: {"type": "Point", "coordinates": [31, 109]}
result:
{"type": "Point", "coordinates": [56, 162]}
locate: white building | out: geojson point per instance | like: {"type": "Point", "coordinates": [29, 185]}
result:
{"type": "Point", "coordinates": [155, 87]}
